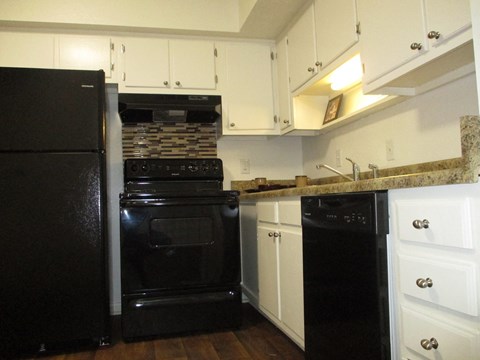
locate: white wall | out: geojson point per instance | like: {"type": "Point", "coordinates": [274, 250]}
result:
{"type": "Point", "coordinates": [422, 129]}
{"type": "Point", "coordinates": [205, 15]}
{"type": "Point", "coordinates": [273, 158]}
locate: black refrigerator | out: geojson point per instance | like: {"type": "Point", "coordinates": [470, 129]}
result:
{"type": "Point", "coordinates": [53, 245]}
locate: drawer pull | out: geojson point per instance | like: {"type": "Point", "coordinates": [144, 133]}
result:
{"type": "Point", "coordinates": [421, 224]}
{"type": "Point", "coordinates": [429, 344]}
{"type": "Point", "coordinates": [424, 283]}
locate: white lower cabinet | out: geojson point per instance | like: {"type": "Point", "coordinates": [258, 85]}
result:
{"type": "Point", "coordinates": [280, 265]}
{"type": "Point", "coordinates": [435, 238]}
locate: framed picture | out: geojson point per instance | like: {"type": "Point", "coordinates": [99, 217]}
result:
{"type": "Point", "coordinates": [332, 109]}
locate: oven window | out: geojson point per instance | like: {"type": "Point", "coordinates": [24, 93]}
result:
{"type": "Point", "coordinates": [181, 231]}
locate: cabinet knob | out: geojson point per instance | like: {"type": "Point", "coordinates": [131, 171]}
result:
{"type": "Point", "coordinates": [429, 344]}
{"type": "Point", "coordinates": [165, 83]}
{"type": "Point", "coordinates": [433, 35]}
{"type": "Point", "coordinates": [311, 69]}
{"type": "Point", "coordinates": [421, 224]}
{"type": "Point", "coordinates": [273, 234]}
{"type": "Point", "coordinates": [177, 83]}
{"type": "Point", "coordinates": [286, 121]}
{"type": "Point", "coordinates": [424, 283]}
{"type": "Point", "coordinates": [232, 124]}
{"type": "Point", "coordinates": [416, 46]}
{"type": "Point", "coordinates": [318, 63]}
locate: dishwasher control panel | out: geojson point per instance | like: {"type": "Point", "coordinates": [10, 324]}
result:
{"type": "Point", "coordinates": [345, 212]}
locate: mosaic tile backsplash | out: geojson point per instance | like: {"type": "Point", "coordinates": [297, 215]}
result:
{"type": "Point", "coordinates": [169, 140]}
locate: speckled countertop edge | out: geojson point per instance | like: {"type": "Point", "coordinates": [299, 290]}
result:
{"type": "Point", "coordinates": [462, 170]}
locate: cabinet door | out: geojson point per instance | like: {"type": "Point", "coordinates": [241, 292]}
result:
{"type": "Point", "coordinates": [268, 270]}
{"type": "Point", "coordinates": [145, 63]}
{"type": "Point", "coordinates": [85, 53]}
{"type": "Point", "coordinates": [336, 28]}
{"type": "Point", "coordinates": [249, 101]}
{"type": "Point", "coordinates": [447, 18]}
{"type": "Point", "coordinates": [192, 64]}
{"type": "Point", "coordinates": [301, 50]}
{"type": "Point", "coordinates": [291, 280]}
{"type": "Point", "coordinates": [389, 28]}
{"type": "Point", "coordinates": [27, 50]}
{"type": "Point", "coordinates": [284, 100]}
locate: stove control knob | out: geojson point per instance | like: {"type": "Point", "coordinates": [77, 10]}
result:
{"type": "Point", "coordinates": [134, 168]}
{"type": "Point", "coordinates": [193, 167]}
{"type": "Point", "coordinates": [145, 168]}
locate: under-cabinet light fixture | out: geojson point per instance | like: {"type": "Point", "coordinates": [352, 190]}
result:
{"type": "Point", "coordinates": [347, 74]}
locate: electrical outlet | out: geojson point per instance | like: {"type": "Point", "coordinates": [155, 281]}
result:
{"type": "Point", "coordinates": [338, 158]}
{"type": "Point", "coordinates": [244, 166]}
{"type": "Point", "coordinates": [390, 153]}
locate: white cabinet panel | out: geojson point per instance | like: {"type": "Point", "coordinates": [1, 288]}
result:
{"type": "Point", "coordinates": [336, 32]}
{"type": "Point", "coordinates": [454, 343]}
{"type": "Point", "coordinates": [389, 27]}
{"type": "Point", "coordinates": [452, 285]}
{"type": "Point", "coordinates": [290, 212]}
{"type": "Point", "coordinates": [193, 64]}
{"type": "Point", "coordinates": [267, 211]}
{"type": "Point", "coordinates": [268, 270]}
{"type": "Point", "coordinates": [447, 17]}
{"type": "Point", "coordinates": [302, 55]}
{"type": "Point", "coordinates": [291, 280]}
{"type": "Point", "coordinates": [146, 63]}
{"type": "Point", "coordinates": [448, 222]}
{"type": "Point", "coordinates": [85, 53]}
{"type": "Point", "coordinates": [249, 101]}
{"type": "Point", "coordinates": [27, 50]}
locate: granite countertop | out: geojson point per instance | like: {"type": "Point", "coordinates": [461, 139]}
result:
{"type": "Point", "coordinates": [462, 170]}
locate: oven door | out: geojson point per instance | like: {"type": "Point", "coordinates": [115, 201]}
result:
{"type": "Point", "coordinates": [179, 243]}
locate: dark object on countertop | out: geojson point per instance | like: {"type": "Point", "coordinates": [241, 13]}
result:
{"type": "Point", "coordinates": [271, 187]}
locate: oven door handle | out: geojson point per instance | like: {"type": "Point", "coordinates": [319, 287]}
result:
{"type": "Point", "coordinates": [180, 201]}
{"type": "Point", "coordinates": [184, 299]}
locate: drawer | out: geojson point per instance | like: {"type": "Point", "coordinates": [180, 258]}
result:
{"type": "Point", "coordinates": [454, 341]}
{"type": "Point", "coordinates": [267, 211]}
{"type": "Point", "coordinates": [290, 212]}
{"type": "Point", "coordinates": [441, 222]}
{"type": "Point", "coordinates": [453, 285]}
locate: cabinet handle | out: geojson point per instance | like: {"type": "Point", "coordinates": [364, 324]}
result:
{"type": "Point", "coordinates": [273, 234]}
{"type": "Point", "coordinates": [165, 83]}
{"type": "Point", "coordinates": [429, 344]}
{"type": "Point", "coordinates": [424, 283]}
{"type": "Point", "coordinates": [177, 83]}
{"type": "Point", "coordinates": [421, 224]}
{"type": "Point", "coordinates": [311, 69]}
{"type": "Point", "coordinates": [318, 63]}
{"type": "Point", "coordinates": [416, 46]}
{"type": "Point", "coordinates": [232, 125]}
{"type": "Point", "coordinates": [286, 121]}
{"type": "Point", "coordinates": [433, 35]}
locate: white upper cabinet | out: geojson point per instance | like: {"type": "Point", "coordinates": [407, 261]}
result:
{"type": "Point", "coordinates": [284, 99]}
{"type": "Point", "coordinates": [248, 105]}
{"type": "Point", "coordinates": [390, 28]}
{"type": "Point", "coordinates": [336, 28]}
{"type": "Point", "coordinates": [446, 18]}
{"type": "Point", "coordinates": [399, 37]}
{"type": "Point", "coordinates": [192, 64]}
{"type": "Point", "coordinates": [152, 65]}
{"type": "Point", "coordinates": [27, 50]}
{"type": "Point", "coordinates": [302, 56]}
{"type": "Point", "coordinates": [79, 52]}
{"type": "Point", "coordinates": [145, 63]}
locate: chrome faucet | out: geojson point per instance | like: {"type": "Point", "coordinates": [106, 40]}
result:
{"type": "Point", "coordinates": [355, 169]}
{"type": "Point", "coordinates": [374, 169]}
{"type": "Point", "coordinates": [319, 166]}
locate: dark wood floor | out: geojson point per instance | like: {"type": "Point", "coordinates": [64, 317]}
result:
{"type": "Point", "coordinates": [256, 339]}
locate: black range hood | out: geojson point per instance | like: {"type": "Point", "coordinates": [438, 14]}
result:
{"type": "Point", "coordinates": [147, 108]}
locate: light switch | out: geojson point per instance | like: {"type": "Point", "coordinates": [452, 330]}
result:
{"type": "Point", "coordinates": [244, 166]}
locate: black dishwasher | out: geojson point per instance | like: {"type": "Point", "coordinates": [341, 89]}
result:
{"type": "Point", "coordinates": [345, 276]}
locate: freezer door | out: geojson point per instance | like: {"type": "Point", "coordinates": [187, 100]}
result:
{"type": "Point", "coordinates": [52, 250]}
{"type": "Point", "coordinates": [51, 110]}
